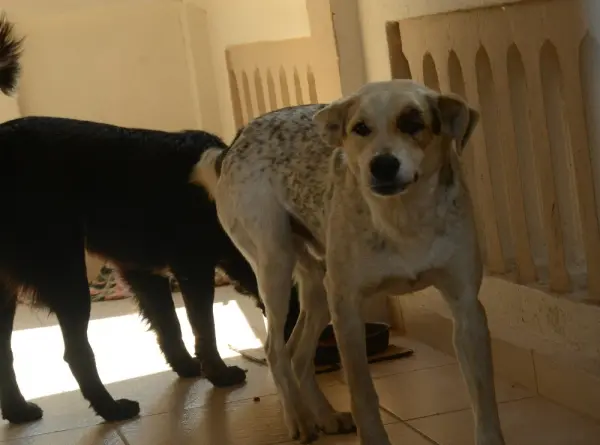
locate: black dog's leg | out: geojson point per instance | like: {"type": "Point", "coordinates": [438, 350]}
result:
{"type": "Point", "coordinates": [153, 294]}
{"type": "Point", "coordinates": [68, 296]}
{"type": "Point", "coordinates": [197, 287]}
{"type": "Point", "coordinates": [15, 408]}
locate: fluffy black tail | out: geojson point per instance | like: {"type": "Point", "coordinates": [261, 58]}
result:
{"type": "Point", "coordinates": [10, 53]}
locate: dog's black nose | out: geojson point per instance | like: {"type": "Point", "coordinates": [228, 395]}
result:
{"type": "Point", "coordinates": [384, 167]}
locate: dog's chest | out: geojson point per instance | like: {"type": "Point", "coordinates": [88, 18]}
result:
{"type": "Point", "coordinates": [404, 259]}
{"type": "Point", "coordinates": [392, 269]}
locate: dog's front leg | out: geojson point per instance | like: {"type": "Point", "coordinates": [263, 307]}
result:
{"type": "Point", "coordinates": [473, 349]}
{"type": "Point", "coordinates": [345, 308]}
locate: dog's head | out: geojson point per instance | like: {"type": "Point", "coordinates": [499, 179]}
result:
{"type": "Point", "coordinates": [394, 133]}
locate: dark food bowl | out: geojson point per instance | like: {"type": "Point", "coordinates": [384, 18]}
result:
{"type": "Point", "coordinates": [377, 336]}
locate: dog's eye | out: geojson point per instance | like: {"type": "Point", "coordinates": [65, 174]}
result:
{"type": "Point", "coordinates": [361, 129]}
{"type": "Point", "coordinates": [410, 122]}
{"type": "Point", "coordinates": [410, 127]}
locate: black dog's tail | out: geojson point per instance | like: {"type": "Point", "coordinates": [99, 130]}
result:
{"type": "Point", "coordinates": [10, 53]}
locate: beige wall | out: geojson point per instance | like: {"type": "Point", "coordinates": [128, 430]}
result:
{"type": "Point", "coordinates": [145, 63]}
{"type": "Point", "coordinates": [9, 109]}
{"type": "Point", "coordinates": [130, 63]}
{"type": "Point", "coordinates": [233, 22]}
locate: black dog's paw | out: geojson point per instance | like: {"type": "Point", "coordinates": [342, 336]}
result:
{"type": "Point", "coordinates": [23, 413]}
{"type": "Point", "coordinates": [123, 409]}
{"type": "Point", "coordinates": [187, 369]}
{"type": "Point", "coordinates": [230, 376]}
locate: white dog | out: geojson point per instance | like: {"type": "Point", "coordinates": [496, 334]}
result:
{"type": "Point", "coordinates": [358, 198]}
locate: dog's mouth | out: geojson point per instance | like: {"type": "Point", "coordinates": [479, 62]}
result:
{"type": "Point", "coordinates": [387, 188]}
{"type": "Point", "coordinates": [390, 188]}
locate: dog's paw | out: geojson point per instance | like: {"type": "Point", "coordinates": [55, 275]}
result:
{"type": "Point", "coordinates": [306, 435]}
{"type": "Point", "coordinates": [187, 368]}
{"type": "Point", "coordinates": [230, 376]}
{"type": "Point", "coordinates": [339, 423]}
{"type": "Point", "coordinates": [304, 431]}
{"type": "Point", "coordinates": [23, 413]}
{"type": "Point", "coordinates": [300, 422]}
{"type": "Point", "coordinates": [122, 409]}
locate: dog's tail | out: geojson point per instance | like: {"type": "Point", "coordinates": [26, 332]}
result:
{"type": "Point", "coordinates": [205, 171]}
{"type": "Point", "coordinates": [10, 53]}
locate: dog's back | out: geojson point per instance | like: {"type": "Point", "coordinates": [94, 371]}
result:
{"type": "Point", "coordinates": [123, 192]}
{"type": "Point", "coordinates": [288, 139]}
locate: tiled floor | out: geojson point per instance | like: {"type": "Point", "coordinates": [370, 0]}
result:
{"type": "Point", "coordinates": [423, 398]}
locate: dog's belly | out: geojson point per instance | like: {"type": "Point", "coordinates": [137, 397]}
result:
{"type": "Point", "coordinates": [392, 285]}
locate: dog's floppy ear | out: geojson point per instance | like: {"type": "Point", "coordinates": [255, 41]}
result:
{"type": "Point", "coordinates": [332, 120]}
{"type": "Point", "coordinates": [457, 119]}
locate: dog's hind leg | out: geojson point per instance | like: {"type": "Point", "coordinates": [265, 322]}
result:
{"type": "Point", "coordinates": [265, 239]}
{"type": "Point", "coordinates": [155, 301]}
{"type": "Point", "coordinates": [314, 317]}
{"type": "Point", "coordinates": [198, 289]}
{"type": "Point", "coordinates": [14, 407]}
{"type": "Point", "coordinates": [65, 291]}
{"type": "Point", "coordinates": [237, 269]}
{"type": "Point", "coordinates": [274, 272]}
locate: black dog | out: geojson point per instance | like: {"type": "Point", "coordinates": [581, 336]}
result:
{"type": "Point", "coordinates": [55, 176]}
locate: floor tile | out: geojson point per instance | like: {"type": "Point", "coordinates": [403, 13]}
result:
{"type": "Point", "coordinates": [247, 305]}
{"type": "Point", "coordinates": [102, 435]}
{"type": "Point", "coordinates": [100, 310]}
{"type": "Point", "coordinates": [424, 357]}
{"type": "Point", "coordinates": [532, 421]}
{"type": "Point", "coordinates": [427, 389]}
{"type": "Point", "coordinates": [566, 384]}
{"type": "Point", "coordinates": [51, 423]}
{"type": "Point", "coordinates": [398, 433]}
{"type": "Point", "coordinates": [339, 396]}
{"type": "Point", "coordinates": [434, 391]}
{"type": "Point", "coordinates": [247, 422]}
{"type": "Point", "coordinates": [166, 391]}
{"type": "Point", "coordinates": [129, 363]}
{"type": "Point", "coordinates": [156, 393]}
{"type": "Point", "coordinates": [237, 423]}
{"type": "Point", "coordinates": [28, 318]}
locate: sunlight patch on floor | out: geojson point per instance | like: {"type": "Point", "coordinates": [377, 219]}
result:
{"type": "Point", "coordinates": [123, 346]}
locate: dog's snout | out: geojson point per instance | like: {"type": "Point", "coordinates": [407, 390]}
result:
{"type": "Point", "coordinates": [384, 167]}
